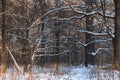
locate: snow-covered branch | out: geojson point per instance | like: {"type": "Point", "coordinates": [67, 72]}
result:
{"type": "Point", "coordinates": [93, 33]}
{"type": "Point", "coordinates": [83, 14]}
{"type": "Point", "coordinates": [92, 12]}
{"type": "Point", "coordinates": [61, 53]}
{"type": "Point", "coordinates": [50, 12]}
{"type": "Point", "coordinates": [99, 49]}
{"type": "Point", "coordinates": [15, 62]}
{"type": "Point", "coordinates": [70, 18]}
{"type": "Point", "coordinates": [95, 41]}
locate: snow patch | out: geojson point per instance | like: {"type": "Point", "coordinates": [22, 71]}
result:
{"type": "Point", "coordinates": [65, 73]}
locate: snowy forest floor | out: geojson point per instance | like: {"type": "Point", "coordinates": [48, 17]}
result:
{"type": "Point", "coordinates": [64, 73]}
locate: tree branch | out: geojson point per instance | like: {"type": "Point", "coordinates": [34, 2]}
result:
{"type": "Point", "coordinates": [93, 33]}
{"type": "Point", "coordinates": [15, 62]}
{"type": "Point", "coordinates": [99, 49]}
{"type": "Point", "coordinates": [95, 41]}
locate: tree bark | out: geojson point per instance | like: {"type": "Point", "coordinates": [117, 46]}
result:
{"type": "Point", "coordinates": [57, 35]}
{"type": "Point", "coordinates": [57, 49]}
{"type": "Point", "coordinates": [43, 10]}
{"type": "Point", "coordinates": [4, 55]}
{"type": "Point", "coordinates": [26, 51]}
{"type": "Point", "coordinates": [117, 35]}
{"type": "Point", "coordinates": [15, 62]}
{"type": "Point", "coordinates": [89, 37]}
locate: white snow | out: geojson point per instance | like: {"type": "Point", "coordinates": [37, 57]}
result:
{"type": "Point", "coordinates": [65, 73]}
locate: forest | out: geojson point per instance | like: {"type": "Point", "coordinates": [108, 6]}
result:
{"type": "Point", "coordinates": [59, 39]}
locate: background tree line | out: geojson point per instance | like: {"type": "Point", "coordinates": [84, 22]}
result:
{"type": "Point", "coordinates": [42, 32]}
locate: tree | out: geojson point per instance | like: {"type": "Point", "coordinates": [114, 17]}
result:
{"type": "Point", "coordinates": [117, 35]}
{"type": "Point", "coordinates": [4, 55]}
{"type": "Point", "coordinates": [59, 35]}
{"type": "Point", "coordinates": [89, 48]}
{"type": "Point", "coordinates": [43, 8]}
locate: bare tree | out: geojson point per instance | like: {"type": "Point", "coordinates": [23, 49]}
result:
{"type": "Point", "coordinates": [52, 34]}
{"type": "Point", "coordinates": [117, 35]}
{"type": "Point", "coordinates": [4, 55]}
{"type": "Point", "coordinates": [89, 48]}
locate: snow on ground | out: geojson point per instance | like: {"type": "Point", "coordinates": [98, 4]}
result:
{"type": "Point", "coordinates": [65, 73]}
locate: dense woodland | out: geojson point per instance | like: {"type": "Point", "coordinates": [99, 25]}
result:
{"type": "Point", "coordinates": [59, 32]}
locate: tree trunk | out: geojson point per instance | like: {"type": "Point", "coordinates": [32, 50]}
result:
{"type": "Point", "coordinates": [117, 35]}
{"type": "Point", "coordinates": [43, 10]}
{"type": "Point", "coordinates": [89, 37]}
{"type": "Point", "coordinates": [57, 48]}
{"type": "Point", "coordinates": [25, 50]}
{"type": "Point", "coordinates": [4, 55]}
{"type": "Point", "coordinates": [57, 39]}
